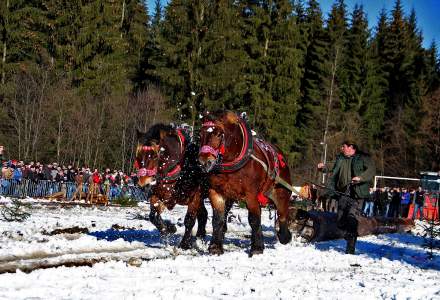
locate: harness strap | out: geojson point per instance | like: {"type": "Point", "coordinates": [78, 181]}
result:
{"type": "Point", "coordinates": [278, 179]}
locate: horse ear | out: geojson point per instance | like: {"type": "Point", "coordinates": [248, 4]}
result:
{"type": "Point", "coordinates": [139, 134]}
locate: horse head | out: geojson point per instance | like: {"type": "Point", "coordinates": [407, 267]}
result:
{"type": "Point", "coordinates": [147, 154]}
{"type": "Point", "coordinates": [158, 153]}
{"type": "Point", "coordinates": [221, 139]}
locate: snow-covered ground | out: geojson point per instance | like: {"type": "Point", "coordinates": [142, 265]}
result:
{"type": "Point", "coordinates": [132, 262]}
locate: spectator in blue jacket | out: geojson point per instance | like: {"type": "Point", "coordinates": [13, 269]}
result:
{"type": "Point", "coordinates": [404, 203]}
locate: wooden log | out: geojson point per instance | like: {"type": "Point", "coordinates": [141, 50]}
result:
{"type": "Point", "coordinates": [316, 226]}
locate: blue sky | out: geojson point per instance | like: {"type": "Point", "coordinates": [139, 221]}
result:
{"type": "Point", "coordinates": [427, 12]}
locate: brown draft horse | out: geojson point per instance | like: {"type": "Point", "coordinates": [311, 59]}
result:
{"type": "Point", "coordinates": [168, 162]}
{"type": "Point", "coordinates": [244, 168]}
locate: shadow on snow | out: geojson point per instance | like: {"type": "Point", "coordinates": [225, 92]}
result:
{"type": "Point", "coordinates": [152, 238]}
{"type": "Point", "coordinates": [399, 247]}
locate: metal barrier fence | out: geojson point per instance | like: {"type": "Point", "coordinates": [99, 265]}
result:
{"type": "Point", "coordinates": [45, 188]}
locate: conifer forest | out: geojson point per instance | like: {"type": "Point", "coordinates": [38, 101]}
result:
{"type": "Point", "coordinates": [78, 77]}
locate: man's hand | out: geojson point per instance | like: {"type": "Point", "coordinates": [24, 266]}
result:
{"type": "Point", "coordinates": [356, 179]}
{"type": "Point", "coordinates": [321, 165]}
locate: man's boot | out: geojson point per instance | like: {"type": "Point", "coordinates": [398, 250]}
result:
{"type": "Point", "coordinates": [351, 244]}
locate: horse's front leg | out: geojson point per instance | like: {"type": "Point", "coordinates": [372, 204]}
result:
{"type": "Point", "coordinates": [156, 208]}
{"type": "Point", "coordinates": [254, 217]}
{"type": "Point", "coordinates": [202, 218]}
{"type": "Point", "coordinates": [218, 221]}
{"type": "Point", "coordinates": [190, 220]}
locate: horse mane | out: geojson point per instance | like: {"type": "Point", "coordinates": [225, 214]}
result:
{"type": "Point", "coordinates": [153, 133]}
{"type": "Point", "coordinates": [229, 116]}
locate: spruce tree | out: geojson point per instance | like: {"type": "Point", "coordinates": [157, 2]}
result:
{"type": "Point", "coordinates": [23, 33]}
{"type": "Point", "coordinates": [283, 63]}
{"type": "Point", "coordinates": [312, 92]}
{"type": "Point", "coordinates": [152, 57]}
{"type": "Point", "coordinates": [255, 25]}
{"type": "Point", "coordinates": [352, 89]}
{"type": "Point", "coordinates": [223, 57]}
{"type": "Point", "coordinates": [432, 67]}
{"type": "Point", "coordinates": [180, 69]}
{"type": "Point", "coordinates": [99, 60]}
{"type": "Point", "coordinates": [135, 31]}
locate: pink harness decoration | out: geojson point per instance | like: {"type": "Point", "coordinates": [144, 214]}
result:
{"type": "Point", "coordinates": [209, 150]}
{"type": "Point", "coordinates": [146, 172]}
{"type": "Point", "coordinates": [147, 148]}
{"type": "Point", "coordinates": [208, 124]}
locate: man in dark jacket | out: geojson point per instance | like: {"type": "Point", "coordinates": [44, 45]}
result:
{"type": "Point", "coordinates": [419, 201]}
{"type": "Point", "coordinates": [352, 174]}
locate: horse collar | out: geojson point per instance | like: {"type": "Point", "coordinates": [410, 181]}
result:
{"type": "Point", "coordinates": [173, 171]}
{"type": "Point", "coordinates": [246, 151]}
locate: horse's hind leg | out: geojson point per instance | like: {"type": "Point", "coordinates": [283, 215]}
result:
{"type": "Point", "coordinates": [228, 207]}
{"type": "Point", "coordinates": [254, 217]}
{"type": "Point", "coordinates": [281, 200]}
{"type": "Point", "coordinates": [190, 219]}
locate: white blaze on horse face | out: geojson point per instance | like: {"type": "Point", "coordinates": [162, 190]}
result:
{"type": "Point", "coordinates": [210, 129]}
{"type": "Point", "coordinates": [145, 180]}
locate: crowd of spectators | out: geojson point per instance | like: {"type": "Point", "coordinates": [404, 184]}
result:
{"type": "Point", "coordinates": [385, 202]}
{"type": "Point", "coordinates": [394, 202]}
{"type": "Point", "coordinates": [36, 179]}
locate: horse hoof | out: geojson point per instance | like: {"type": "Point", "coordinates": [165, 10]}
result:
{"type": "Point", "coordinates": [284, 237]}
{"type": "Point", "coordinates": [171, 228]}
{"type": "Point", "coordinates": [201, 234]}
{"type": "Point", "coordinates": [256, 251]}
{"type": "Point", "coordinates": [215, 249]}
{"type": "Point", "coordinates": [185, 245]}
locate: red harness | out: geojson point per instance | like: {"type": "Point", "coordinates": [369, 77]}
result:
{"type": "Point", "coordinates": [174, 170]}
{"type": "Point", "coordinates": [274, 161]}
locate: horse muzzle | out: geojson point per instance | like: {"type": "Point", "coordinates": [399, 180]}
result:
{"type": "Point", "coordinates": [146, 176]}
{"type": "Point", "coordinates": [207, 164]}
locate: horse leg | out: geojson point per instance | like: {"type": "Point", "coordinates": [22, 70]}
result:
{"type": "Point", "coordinates": [281, 201]}
{"type": "Point", "coordinates": [228, 207]}
{"type": "Point", "coordinates": [155, 218]}
{"type": "Point", "coordinates": [218, 221]}
{"type": "Point", "coordinates": [190, 220]}
{"type": "Point", "coordinates": [202, 218]}
{"type": "Point", "coordinates": [254, 218]}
